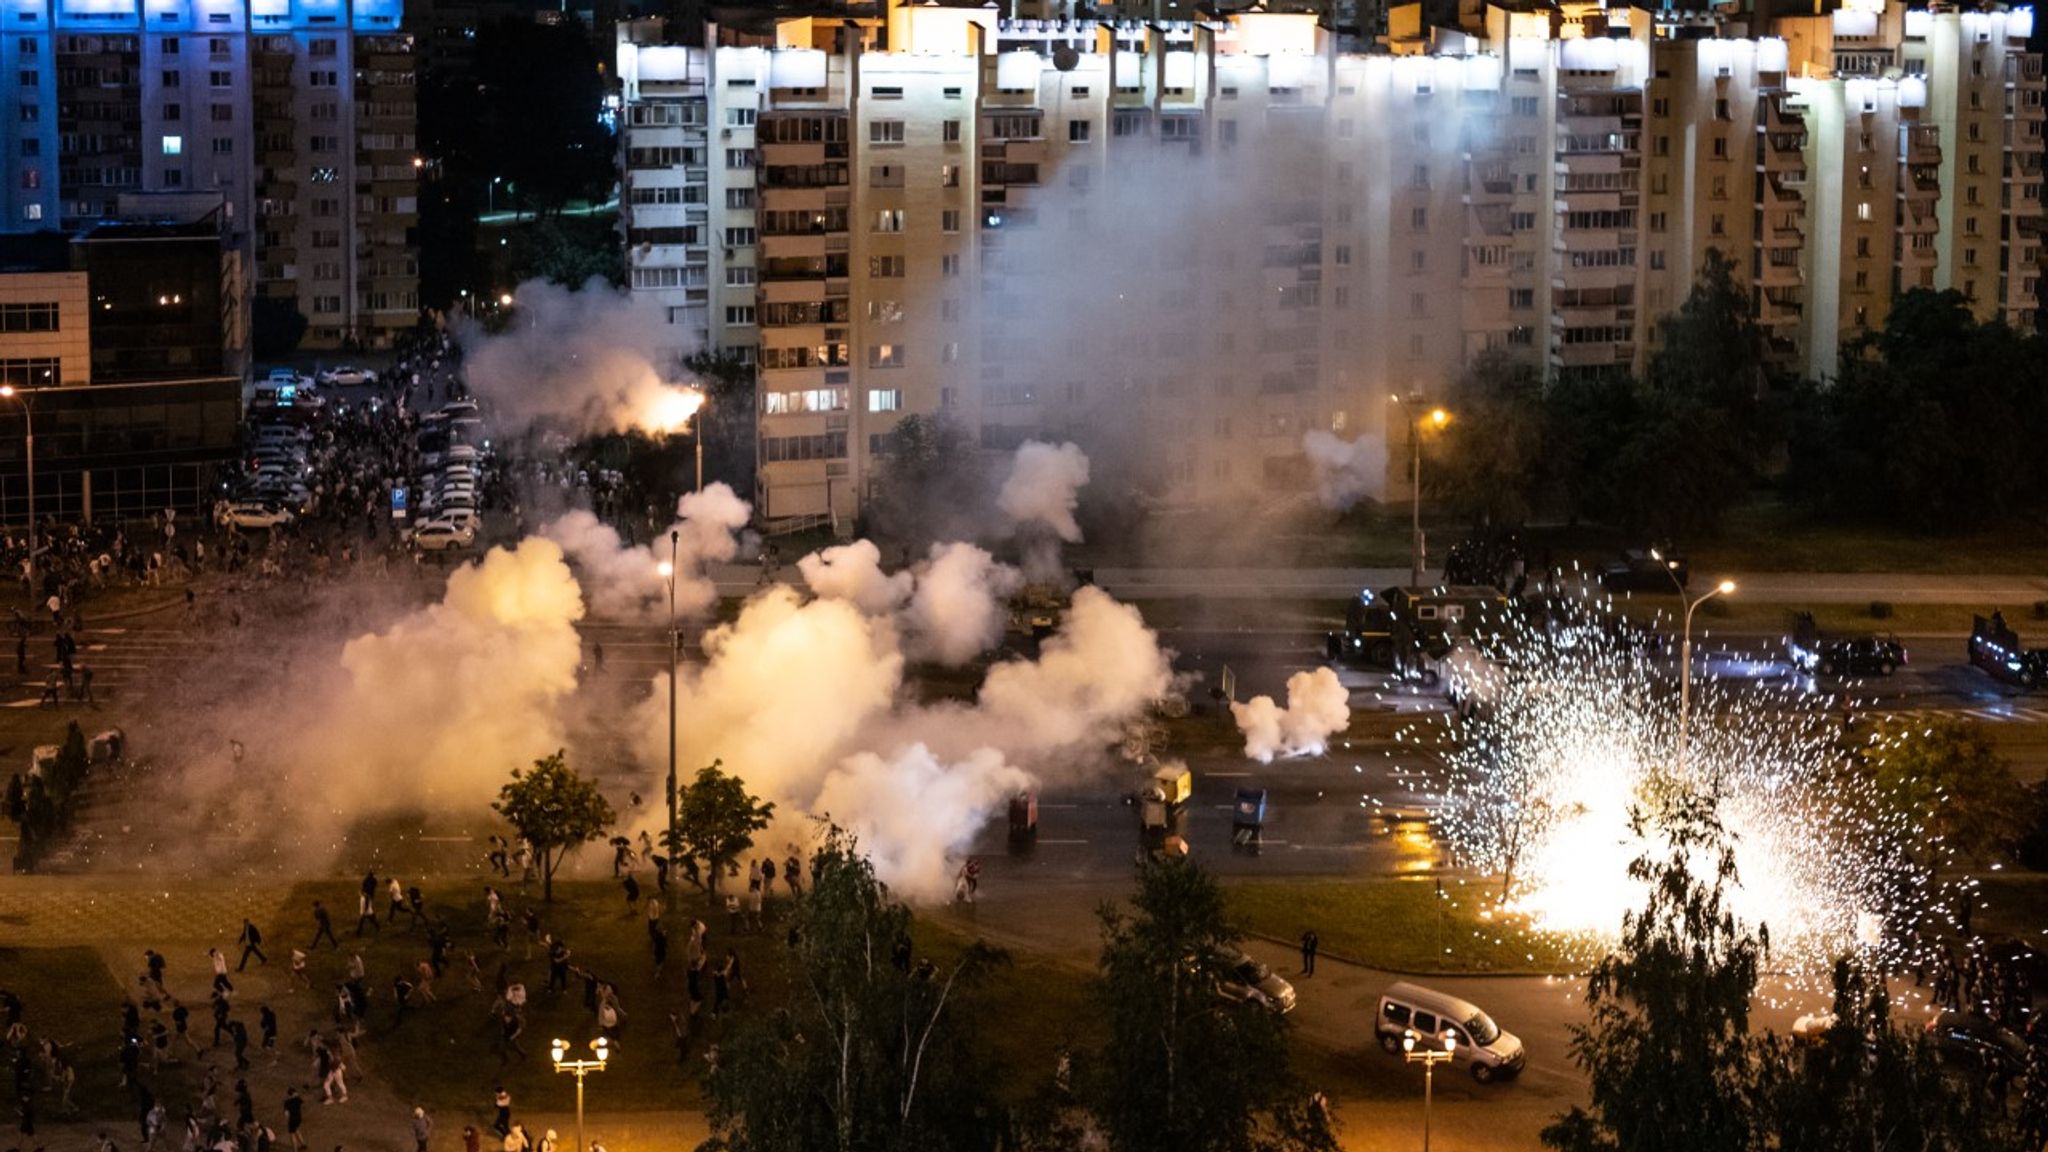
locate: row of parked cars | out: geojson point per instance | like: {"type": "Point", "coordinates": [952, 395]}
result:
{"type": "Point", "coordinates": [454, 459]}
{"type": "Point", "coordinates": [278, 471]}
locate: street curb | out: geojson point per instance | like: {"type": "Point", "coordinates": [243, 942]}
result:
{"type": "Point", "coordinates": [1505, 973]}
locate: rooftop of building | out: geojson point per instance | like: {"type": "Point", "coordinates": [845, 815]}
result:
{"type": "Point", "coordinates": [47, 251]}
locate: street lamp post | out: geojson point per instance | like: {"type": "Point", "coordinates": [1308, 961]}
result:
{"type": "Point", "coordinates": [28, 416]}
{"type": "Point", "coordinates": [581, 1068]}
{"type": "Point", "coordinates": [697, 430]}
{"type": "Point", "coordinates": [668, 573]}
{"type": "Point", "coordinates": [1685, 665]}
{"type": "Point", "coordinates": [1437, 417]}
{"type": "Point", "coordinates": [1429, 1058]}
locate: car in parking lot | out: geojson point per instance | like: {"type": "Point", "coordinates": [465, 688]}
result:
{"type": "Point", "coordinates": [1243, 979]}
{"type": "Point", "coordinates": [255, 514]}
{"type": "Point", "coordinates": [346, 375]}
{"type": "Point", "coordinates": [1877, 654]}
{"type": "Point", "coordinates": [442, 536]}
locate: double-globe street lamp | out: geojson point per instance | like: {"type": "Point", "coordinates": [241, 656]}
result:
{"type": "Point", "coordinates": [601, 1049]}
{"type": "Point", "coordinates": [1429, 1058]}
{"type": "Point", "coordinates": [1435, 418]}
{"type": "Point", "coordinates": [28, 416]}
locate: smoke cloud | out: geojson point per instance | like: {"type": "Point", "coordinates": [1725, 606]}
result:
{"type": "Point", "coordinates": [805, 701]}
{"type": "Point", "coordinates": [853, 573]}
{"type": "Point", "coordinates": [1044, 488]}
{"type": "Point", "coordinates": [624, 582]}
{"type": "Point", "coordinates": [592, 359]}
{"type": "Point", "coordinates": [960, 604]}
{"type": "Point", "coordinates": [1318, 707]}
{"type": "Point", "coordinates": [1347, 471]}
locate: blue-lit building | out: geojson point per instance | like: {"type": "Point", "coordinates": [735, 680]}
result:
{"type": "Point", "coordinates": [300, 114]}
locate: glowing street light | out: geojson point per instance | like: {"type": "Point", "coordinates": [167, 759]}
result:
{"type": "Point", "coordinates": [1429, 1058]}
{"type": "Point", "coordinates": [580, 1068]}
{"type": "Point", "coordinates": [28, 416]}
{"type": "Point", "coordinates": [1724, 588]}
{"type": "Point", "coordinates": [1437, 418]}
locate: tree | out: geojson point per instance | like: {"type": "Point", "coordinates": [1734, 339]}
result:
{"type": "Point", "coordinates": [716, 820]}
{"type": "Point", "coordinates": [540, 93]}
{"type": "Point", "coordinates": [869, 1054]}
{"type": "Point", "coordinates": [1490, 463]}
{"type": "Point", "coordinates": [554, 811]}
{"type": "Point", "coordinates": [928, 488]}
{"type": "Point", "coordinates": [1867, 1084]}
{"type": "Point", "coordinates": [1667, 1046]}
{"type": "Point", "coordinates": [727, 421]}
{"type": "Point", "coordinates": [1185, 1070]}
{"type": "Point", "coordinates": [1942, 777]}
{"type": "Point", "coordinates": [1712, 354]}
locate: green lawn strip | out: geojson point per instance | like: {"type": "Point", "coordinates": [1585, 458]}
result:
{"type": "Point", "coordinates": [1024, 1013]}
{"type": "Point", "coordinates": [2014, 903]}
{"type": "Point", "coordinates": [68, 995]}
{"type": "Point", "coordinates": [444, 1053]}
{"type": "Point", "coordinates": [1392, 923]}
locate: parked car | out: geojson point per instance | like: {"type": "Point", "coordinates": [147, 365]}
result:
{"type": "Point", "coordinates": [1242, 979]}
{"type": "Point", "coordinates": [442, 536]}
{"type": "Point", "coordinates": [254, 514]}
{"type": "Point", "coordinates": [347, 375]}
{"type": "Point", "coordinates": [1646, 570]}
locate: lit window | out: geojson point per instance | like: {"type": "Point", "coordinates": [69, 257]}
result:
{"type": "Point", "coordinates": [174, 145]}
{"type": "Point", "coordinates": [885, 400]}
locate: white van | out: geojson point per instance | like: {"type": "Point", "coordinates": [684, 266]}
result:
{"type": "Point", "coordinates": [1406, 1008]}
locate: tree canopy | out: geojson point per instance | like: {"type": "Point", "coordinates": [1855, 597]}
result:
{"type": "Point", "coordinates": [554, 811]}
{"type": "Point", "coordinates": [716, 819]}
{"type": "Point", "coordinates": [872, 1053]}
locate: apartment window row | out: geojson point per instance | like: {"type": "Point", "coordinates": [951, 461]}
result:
{"type": "Point", "coordinates": [39, 316]}
{"type": "Point", "coordinates": [31, 371]}
{"type": "Point", "coordinates": [805, 400]}
{"type": "Point", "coordinates": [780, 449]}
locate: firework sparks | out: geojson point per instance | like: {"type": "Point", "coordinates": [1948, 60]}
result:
{"type": "Point", "coordinates": [1567, 725]}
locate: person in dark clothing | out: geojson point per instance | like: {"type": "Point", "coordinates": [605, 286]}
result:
{"type": "Point", "coordinates": [1309, 943]}
{"type": "Point", "coordinates": [323, 927]}
{"type": "Point", "coordinates": [252, 944]}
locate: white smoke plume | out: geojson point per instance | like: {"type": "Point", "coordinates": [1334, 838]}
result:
{"type": "Point", "coordinates": [914, 815]}
{"type": "Point", "coordinates": [1318, 707]}
{"type": "Point", "coordinates": [625, 582]}
{"type": "Point", "coordinates": [1044, 487]}
{"type": "Point", "coordinates": [804, 700]}
{"type": "Point", "coordinates": [853, 573]}
{"type": "Point", "coordinates": [960, 605]}
{"type": "Point", "coordinates": [1347, 471]}
{"type": "Point", "coordinates": [594, 359]}
{"type": "Point", "coordinates": [438, 707]}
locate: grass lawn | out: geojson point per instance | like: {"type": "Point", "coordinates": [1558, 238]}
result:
{"type": "Point", "coordinates": [1393, 924]}
{"type": "Point", "coordinates": [1025, 1013]}
{"type": "Point", "coordinates": [445, 1052]}
{"type": "Point", "coordinates": [68, 994]}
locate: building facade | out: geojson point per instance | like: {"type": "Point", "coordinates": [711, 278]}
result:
{"type": "Point", "coordinates": [1188, 244]}
{"type": "Point", "coordinates": [299, 114]}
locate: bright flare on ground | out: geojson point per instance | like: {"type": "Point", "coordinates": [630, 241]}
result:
{"type": "Point", "coordinates": [1570, 727]}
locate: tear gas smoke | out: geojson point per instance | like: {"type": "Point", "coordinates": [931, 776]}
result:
{"type": "Point", "coordinates": [1044, 488]}
{"type": "Point", "coordinates": [853, 573]}
{"type": "Point", "coordinates": [437, 707]}
{"type": "Point", "coordinates": [914, 816]}
{"type": "Point", "coordinates": [624, 581]}
{"type": "Point", "coordinates": [959, 607]}
{"type": "Point", "coordinates": [803, 699]}
{"type": "Point", "coordinates": [594, 359]}
{"type": "Point", "coordinates": [949, 609]}
{"type": "Point", "coordinates": [1318, 707]}
{"type": "Point", "coordinates": [1346, 471]}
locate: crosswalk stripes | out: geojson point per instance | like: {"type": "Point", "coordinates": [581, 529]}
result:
{"type": "Point", "coordinates": [118, 656]}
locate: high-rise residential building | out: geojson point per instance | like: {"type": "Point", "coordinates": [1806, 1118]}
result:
{"type": "Point", "coordinates": [299, 114]}
{"type": "Point", "coordinates": [1192, 243]}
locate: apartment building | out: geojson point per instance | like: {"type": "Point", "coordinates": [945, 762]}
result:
{"type": "Point", "coordinates": [1186, 244]}
{"type": "Point", "coordinates": [299, 115]}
